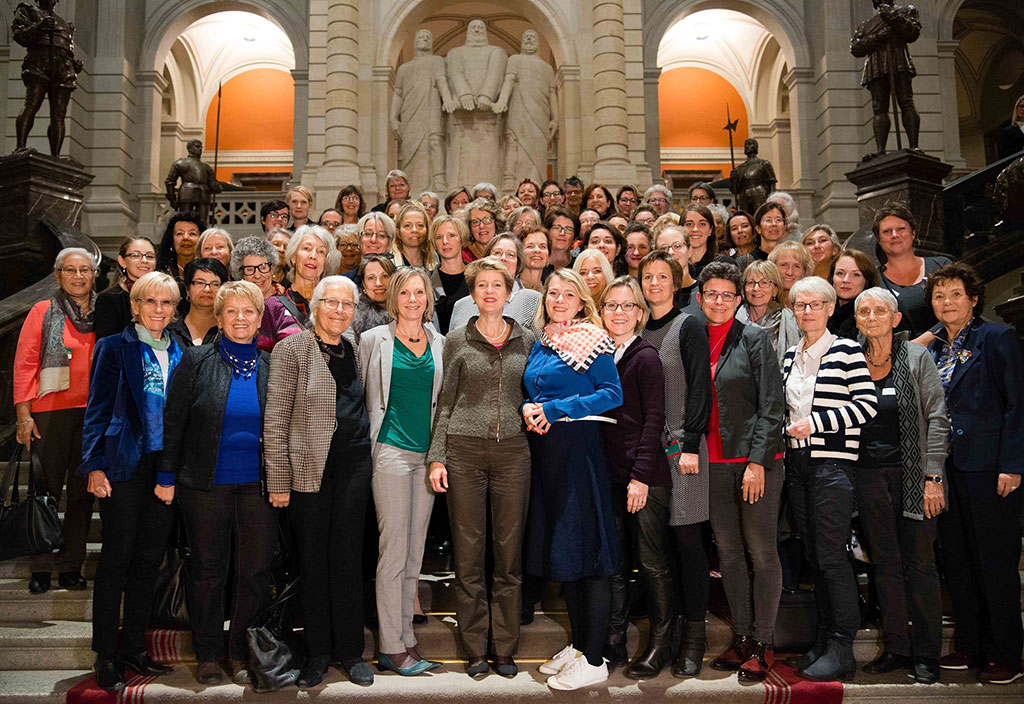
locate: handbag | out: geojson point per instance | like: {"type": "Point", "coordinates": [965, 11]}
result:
{"type": "Point", "coordinates": [275, 652]}
{"type": "Point", "coordinates": [32, 526]}
{"type": "Point", "coordinates": [170, 595]}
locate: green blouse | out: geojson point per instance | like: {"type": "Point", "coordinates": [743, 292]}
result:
{"type": "Point", "coordinates": [407, 419]}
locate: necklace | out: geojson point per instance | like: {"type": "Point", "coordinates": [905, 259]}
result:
{"type": "Point", "coordinates": [242, 367]}
{"type": "Point", "coordinates": [882, 363]}
{"type": "Point", "coordinates": [499, 336]}
{"type": "Point", "coordinates": [410, 338]}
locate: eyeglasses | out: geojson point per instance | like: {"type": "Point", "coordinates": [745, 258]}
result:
{"type": "Point", "coordinates": [763, 283]}
{"type": "Point", "coordinates": [351, 198]}
{"type": "Point", "coordinates": [348, 245]}
{"type": "Point", "coordinates": [813, 305]}
{"type": "Point", "coordinates": [551, 194]}
{"type": "Point", "coordinates": [335, 304]}
{"type": "Point", "coordinates": [330, 225]}
{"type": "Point", "coordinates": [573, 191]}
{"type": "Point", "coordinates": [562, 228]}
{"type": "Point", "coordinates": [429, 207]}
{"type": "Point", "coordinates": [726, 296]}
{"type": "Point", "coordinates": [477, 222]}
{"type": "Point", "coordinates": [277, 216]}
{"type": "Point", "coordinates": [154, 303]}
{"type": "Point", "coordinates": [865, 312]}
{"type": "Point", "coordinates": [249, 270]}
{"type": "Point", "coordinates": [144, 256]}
{"type": "Point", "coordinates": [71, 271]}
{"type": "Point", "coordinates": [677, 247]}
{"type": "Point", "coordinates": [628, 200]}
{"type": "Point", "coordinates": [211, 285]}
{"type": "Point", "coordinates": [657, 201]}
{"type": "Point", "coordinates": [374, 235]}
{"type": "Point", "coordinates": [773, 221]}
{"type": "Point", "coordinates": [628, 306]}
{"type": "Point", "coordinates": [701, 199]}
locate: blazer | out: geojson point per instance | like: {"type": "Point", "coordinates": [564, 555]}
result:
{"type": "Point", "coordinates": [197, 397]}
{"type": "Point", "coordinates": [301, 414]}
{"type": "Point", "coordinates": [377, 350]}
{"type": "Point", "coordinates": [112, 430]}
{"type": "Point", "coordinates": [751, 399]}
{"type": "Point", "coordinates": [984, 400]}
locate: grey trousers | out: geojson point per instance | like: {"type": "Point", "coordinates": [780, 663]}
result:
{"type": "Point", "coordinates": [402, 495]}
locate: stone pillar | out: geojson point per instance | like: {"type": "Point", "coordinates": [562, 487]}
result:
{"type": "Point", "coordinates": [341, 110]}
{"type": "Point", "coordinates": [636, 113]}
{"type": "Point", "coordinates": [150, 87]}
{"type": "Point", "coordinates": [946, 51]}
{"type": "Point", "coordinates": [300, 138]}
{"type": "Point", "coordinates": [570, 150]}
{"type": "Point", "coordinates": [611, 165]}
{"type": "Point", "coordinates": [652, 136]}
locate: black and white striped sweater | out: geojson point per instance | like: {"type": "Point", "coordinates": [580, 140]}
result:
{"type": "Point", "coordinates": [844, 400]}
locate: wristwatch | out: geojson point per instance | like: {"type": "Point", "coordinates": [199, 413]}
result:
{"type": "Point", "coordinates": [934, 478]}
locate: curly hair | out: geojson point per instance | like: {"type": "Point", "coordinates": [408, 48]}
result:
{"type": "Point", "coordinates": [974, 287]}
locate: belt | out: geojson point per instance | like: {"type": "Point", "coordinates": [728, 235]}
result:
{"type": "Point", "coordinates": [602, 419]}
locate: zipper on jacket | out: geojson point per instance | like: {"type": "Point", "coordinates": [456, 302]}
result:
{"type": "Point", "coordinates": [500, 367]}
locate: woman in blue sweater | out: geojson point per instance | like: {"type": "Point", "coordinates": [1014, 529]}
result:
{"type": "Point", "coordinates": [211, 462]}
{"type": "Point", "coordinates": [570, 382]}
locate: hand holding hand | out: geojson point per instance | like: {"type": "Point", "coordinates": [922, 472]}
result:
{"type": "Point", "coordinates": [802, 429]}
{"type": "Point", "coordinates": [438, 477]}
{"type": "Point", "coordinates": [467, 103]}
{"type": "Point", "coordinates": [536, 421]}
{"type": "Point", "coordinates": [98, 485]}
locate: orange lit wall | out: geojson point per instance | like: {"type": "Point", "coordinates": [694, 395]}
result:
{"type": "Point", "coordinates": [692, 112]}
{"type": "Point", "coordinates": [257, 113]}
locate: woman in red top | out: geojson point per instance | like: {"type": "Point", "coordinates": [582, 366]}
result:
{"type": "Point", "coordinates": [744, 452]}
{"type": "Point", "coordinates": [51, 387]}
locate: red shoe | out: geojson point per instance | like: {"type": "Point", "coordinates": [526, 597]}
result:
{"type": "Point", "coordinates": [957, 661]}
{"type": "Point", "coordinates": [756, 668]}
{"type": "Point", "coordinates": [736, 655]}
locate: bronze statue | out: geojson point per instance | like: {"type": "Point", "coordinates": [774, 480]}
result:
{"type": "Point", "coordinates": [1008, 193]}
{"type": "Point", "coordinates": [198, 183]}
{"type": "Point", "coordinates": [888, 68]}
{"type": "Point", "coordinates": [752, 180]}
{"type": "Point", "coordinates": [50, 68]}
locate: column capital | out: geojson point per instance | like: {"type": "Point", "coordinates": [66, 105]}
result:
{"type": "Point", "coordinates": [151, 79]}
{"type": "Point", "coordinates": [804, 74]}
{"type": "Point", "coordinates": [300, 75]}
{"type": "Point", "coordinates": [652, 74]}
{"type": "Point", "coordinates": [947, 48]}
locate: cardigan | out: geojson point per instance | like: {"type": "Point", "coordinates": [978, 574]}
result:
{"type": "Point", "coordinates": [377, 350]}
{"type": "Point", "coordinates": [28, 364]}
{"type": "Point", "coordinates": [844, 400]}
{"type": "Point", "coordinates": [565, 393]}
{"type": "Point", "coordinates": [634, 443]}
{"type": "Point", "coordinates": [301, 414]}
{"type": "Point", "coordinates": [276, 324]}
{"type": "Point", "coordinates": [483, 387]}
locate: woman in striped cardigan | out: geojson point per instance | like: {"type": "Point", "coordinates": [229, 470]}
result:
{"type": "Point", "coordinates": [829, 397]}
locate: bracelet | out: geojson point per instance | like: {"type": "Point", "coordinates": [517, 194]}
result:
{"type": "Point", "coordinates": [23, 422]}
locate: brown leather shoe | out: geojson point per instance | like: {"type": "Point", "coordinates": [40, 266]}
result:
{"type": "Point", "coordinates": [239, 672]}
{"type": "Point", "coordinates": [209, 673]}
{"type": "Point", "coordinates": [756, 668]}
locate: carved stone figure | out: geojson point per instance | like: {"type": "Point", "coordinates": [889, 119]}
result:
{"type": "Point", "coordinates": [752, 180]}
{"type": "Point", "coordinates": [475, 74]}
{"type": "Point", "coordinates": [421, 92]}
{"type": "Point", "coordinates": [198, 183]}
{"type": "Point", "coordinates": [528, 93]}
{"type": "Point", "coordinates": [49, 70]}
{"type": "Point", "coordinates": [888, 68]}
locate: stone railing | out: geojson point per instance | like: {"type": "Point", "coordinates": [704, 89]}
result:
{"type": "Point", "coordinates": [238, 212]}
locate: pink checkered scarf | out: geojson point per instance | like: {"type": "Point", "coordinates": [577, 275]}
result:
{"type": "Point", "coordinates": [577, 342]}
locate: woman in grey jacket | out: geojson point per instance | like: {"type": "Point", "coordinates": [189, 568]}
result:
{"type": "Point", "coordinates": [899, 487]}
{"type": "Point", "coordinates": [479, 450]}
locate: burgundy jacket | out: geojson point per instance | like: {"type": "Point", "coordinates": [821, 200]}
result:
{"type": "Point", "coordinates": [634, 442]}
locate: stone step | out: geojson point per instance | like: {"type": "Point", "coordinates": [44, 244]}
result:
{"type": "Point", "coordinates": [450, 683]}
{"type": "Point", "coordinates": [19, 568]}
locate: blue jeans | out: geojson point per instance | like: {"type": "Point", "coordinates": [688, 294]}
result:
{"type": "Point", "coordinates": [822, 495]}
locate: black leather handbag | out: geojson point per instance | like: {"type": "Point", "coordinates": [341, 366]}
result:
{"type": "Point", "coordinates": [275, 652]}
{"type": "Point", "coordinates": [32, 526]}
{"type": "Point", "coordinates": [170, 597]}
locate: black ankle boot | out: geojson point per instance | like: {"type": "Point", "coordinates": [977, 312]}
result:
{"type": "Point", "coordinates": [649, 665]}
{"type": "Point", "coordinates": [836, 663]}
{"type": "Point", "coordinates": [798, 662]}
{"type": "Point", "coordinates": [313, 672]}
{"type": "Point", "coordinates": [615, 650]}
{"type": "Point", "coordinates": [109, 675]}
{"type": "Point", "coordinates": [691, 656]}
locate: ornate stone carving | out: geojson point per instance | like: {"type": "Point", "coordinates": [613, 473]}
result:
{"type": "Point", "coordinates": [528, 94]}
{"type": "Point", "coordinates": [752, 180]}
{"type": "Point", "coordinates": [198, 183]}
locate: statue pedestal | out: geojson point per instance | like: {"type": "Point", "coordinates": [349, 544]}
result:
{"type": "Point", "coordinates": [912, 177]}
{"type": "Point", "coordinates": [34, 187]}
{"type": "Point", "coordinates": [475, 146]}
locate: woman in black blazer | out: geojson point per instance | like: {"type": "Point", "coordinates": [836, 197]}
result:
{"type": "Point", "coordinates": [745, 453]}
{"type": "Point", "coordinates": [982, 372]}
{"type": "Point", "coordinates": [212, 463]}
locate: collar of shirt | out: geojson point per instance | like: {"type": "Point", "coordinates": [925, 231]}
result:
{"type": "Point", "coordinates": [620, 350]}
{"type": "Point", "coordinates": [818, 349]}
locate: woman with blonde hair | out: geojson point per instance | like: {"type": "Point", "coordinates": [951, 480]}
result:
{"type": "Point", "coordinates": [300, 203]}
{"type": "Point", "coordinates": [762, 306]}
{"type": "Point", "coordinates": [412, 246]}
{"type": "Point", "coordinates": [594, 269]}
{"type": "Point", "coordinates": [215, 243]}
{"type": "Point", "coordinates": [449, 235]}
{"type": "Point", "coordinates": [823, 244]}
{"type": "Point", "coordinates": [571, 535]}
{"type": "Point", "coordinates": [1011, 138]}
{"type": "Point", "coordinates": [794, 262]}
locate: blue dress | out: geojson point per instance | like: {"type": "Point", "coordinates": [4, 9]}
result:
{"type": "Point", "coordinates": [570, 531]}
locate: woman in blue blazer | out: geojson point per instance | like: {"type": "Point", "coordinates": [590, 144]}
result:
{"type": "Point", "coordinates": [982, 372]}
{"type": "Point", "coordinates": [122, 435]}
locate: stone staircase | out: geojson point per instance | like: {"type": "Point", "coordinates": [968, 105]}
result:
{"type": "Point", "coordinates": [45, 652]}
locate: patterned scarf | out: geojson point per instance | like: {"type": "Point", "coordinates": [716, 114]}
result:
{"type": "Point", "coordinates": [910, 450]}
{"type": "Point", "coordinates": [54, 355]}
{"type": "Point", "coordinates": [577, 343]}
{"type": "Point", "coordinates": [153, 390]}
{"type": "Point", "coordinates": [953, 352]}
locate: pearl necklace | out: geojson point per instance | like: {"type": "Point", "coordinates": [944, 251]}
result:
{"type": "Point", "coordinates": [499, 336]}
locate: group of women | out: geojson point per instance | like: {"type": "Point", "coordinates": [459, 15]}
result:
{"type": "Point", "coordinates": [603, 394]}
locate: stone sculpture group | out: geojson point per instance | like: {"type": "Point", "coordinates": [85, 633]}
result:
{"type": "Point", "coordinates": [475, 115]}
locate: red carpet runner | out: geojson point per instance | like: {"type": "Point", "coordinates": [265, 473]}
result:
{"type": "Point", "coordinates": [784, 686]}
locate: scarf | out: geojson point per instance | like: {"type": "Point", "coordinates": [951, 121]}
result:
{"type": "Point", "coordinates": [153, 390]}
{"type": "Point", "coordinates": [953, 352]}
{"type": "Point", "coordinates": [243, 358]}
{"type": "Point", "coordinates": [910, 448]}
{"type": "Point", "coordinates": [54, 355]}
{"type": "Point", "coordinates": [577, 343]}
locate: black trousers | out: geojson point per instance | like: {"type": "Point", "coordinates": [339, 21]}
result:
{"type": "Point", "coordinates": [823, 498]}
{"type": "Point", "coordinates": [644, 540]}
{"type": "Point", "coordinates": [903, 552]}
{"type": "Point", "coordinates": [980, 537]}
{"type": "Point", "coordinates": [212, 519]}
{"type": "Point", "coordinates": [328, 527]}
{"type": "Point", "coordinates": [60, 452]}
{"type": "Point", "coordinates": [136, 526]}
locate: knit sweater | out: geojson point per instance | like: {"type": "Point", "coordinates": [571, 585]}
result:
{"type": "Point", "coordinates": [844, 400]}
{"type": "Point", "coordinates": [522, 308]}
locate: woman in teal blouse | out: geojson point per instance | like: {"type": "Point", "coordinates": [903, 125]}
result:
{"type": "Point", "coordinates": [404, 355]}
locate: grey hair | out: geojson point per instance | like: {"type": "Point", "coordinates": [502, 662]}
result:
{"type": "Point", "coordinates": [538, 221]}
{"type": "Point", "coordinates": [251, 247]}
{"type": "Point", "coordinates": [214, 232]}
{"type": "Point", "coordinates": [719, 210]}
{"type": "Point", "coordinates": [333, 255]}
{"type": "Point", "coordinates": [321, 288]}
{"type": "Point", "coordinates": [393, 174]}
{"type": "Point", "coordinates": [879, 294]}
{"type": "Point", "coordinates": [822, 227]}
{"type": "Point", "coordinates": [70, 251]}
{"type": "Point", "coordinates": [484, 186]}
{"type": "Point", "coordinates": [383, 219]}
{"type": "Point", "coordinates": [814, 285]}
{"type": "Point", "coordinates": [792, 216]}
{"type": "Point", "coordinates": [657, 188]}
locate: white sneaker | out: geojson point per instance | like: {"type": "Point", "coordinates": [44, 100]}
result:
{"type": "Point", "coordinates": [559, 660]}
{"type": "Point", "coordinates": [579, 673]}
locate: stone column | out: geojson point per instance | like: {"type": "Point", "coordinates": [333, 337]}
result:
{"type": "Point", "coordinates": [611, 164]}
{"type": "Point", "coordinates": [567, 85]}
{"type": "Point", "coordinates": [652, 136]}
{"type": "Point", "coordinates": [341, 110]}
{"type": "Point", "coordinates": [300, 138]}
{"type": "Point", "coordinates": [803, 110]}
{"type": "Point", "coordinates": [946, 51]}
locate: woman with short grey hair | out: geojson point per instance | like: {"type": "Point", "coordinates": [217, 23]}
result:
{"type": "Point", "coordinates": [485, 190]}
{"type": "Point", "coordinates": [311, 255]}
{"type": "Point", "coordinates": [523, 219]}
{"type": "Point", "coordinates": [899, 488]}
{"type": "Point", "coordinates": [659, 198]}
{"type": "Point", "coordinates": [376, 233]}
{"type": "Point", "coordinates": [252, 260]}
{"type": "Point", "coordinates": [483, 218]}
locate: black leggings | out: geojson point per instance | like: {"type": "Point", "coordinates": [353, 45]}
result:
{"type": "Point", "coordinates": [691, 571]}
{"type": "Point", "coordinates": [589, 602]}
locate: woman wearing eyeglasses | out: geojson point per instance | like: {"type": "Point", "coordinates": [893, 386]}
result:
{"type": "Point", "coordinates": [135, 258]}
{"type": "Point", "coordinates": [763, 307]}
{"type": "Point", "coordinates": [482, 219]}
{"type": "Point", "coordinates": [203, 278]}
{"type": "Point", "coordinates": [350, 204]}
{"type": "Point", "coordinates": [829, 398]}
{"type": "Point", "coordinates": [564, 228]}
{"type": "Point", "coordinates": [626, 201]}
{"type": "Point", "coordinates": [674, 240]}
{"type": "Point", "coordinates": [252, 261]}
